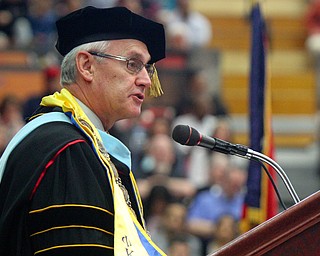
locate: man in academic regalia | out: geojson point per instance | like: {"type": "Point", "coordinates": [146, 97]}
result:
{"type": "Point", "coordinates": [66, 185]}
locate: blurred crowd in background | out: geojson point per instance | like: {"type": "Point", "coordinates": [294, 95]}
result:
{"type": "Point", "coordinates": [192, 197]}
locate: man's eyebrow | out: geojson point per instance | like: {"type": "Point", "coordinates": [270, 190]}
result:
{"type": "Point", "coordinates": [137, 55]}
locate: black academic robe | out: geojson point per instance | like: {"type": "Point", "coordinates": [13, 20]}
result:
{"type": "Point", "coordinates": [55, 196]}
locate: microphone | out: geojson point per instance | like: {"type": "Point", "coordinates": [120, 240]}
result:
{"type": "Point", "coordinates": [189, 136]}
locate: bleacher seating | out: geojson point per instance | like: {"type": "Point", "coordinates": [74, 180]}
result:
{"type": "Point", "coordinates": [292, 76]}
{"type": "Point", "coordinates": [293, 79]}
{"type": "Point", "coordinates": [18, 76]}
{"type": "Point", "coordinates": [15, 58]}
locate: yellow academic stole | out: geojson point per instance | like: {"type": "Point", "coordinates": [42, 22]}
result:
{"type": "Point", "coordinates": [130, 237]}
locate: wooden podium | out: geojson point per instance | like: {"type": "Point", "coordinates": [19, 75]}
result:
{"type": "Point", "coordinates": [295, 231]}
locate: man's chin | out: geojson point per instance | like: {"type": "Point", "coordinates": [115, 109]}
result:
{"type": "Point", "coordinates": [134, 113]}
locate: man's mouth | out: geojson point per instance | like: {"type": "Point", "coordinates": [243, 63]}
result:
{"type": "Point", "coordinates": [140, 96]}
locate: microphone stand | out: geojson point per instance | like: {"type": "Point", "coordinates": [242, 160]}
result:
{"type": "Point", "coordinates": [261, 157]}
{"type": "Point", "coordinates": [187, 135]}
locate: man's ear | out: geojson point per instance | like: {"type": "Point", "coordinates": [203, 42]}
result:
{"type": "Point", "coordinates": [84, 62]}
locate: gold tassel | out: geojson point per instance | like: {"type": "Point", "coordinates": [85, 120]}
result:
{"type": "Point", "coordinates": [155, 89]}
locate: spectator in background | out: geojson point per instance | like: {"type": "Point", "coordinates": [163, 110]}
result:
{"type": "Point", "coordinates": [151, 8]}
{"type": "Point", "coordinates": [312, 16]}
{"type": "Point", "coordinates": [4, 41]}
{"type": "Point", "coordinates": [42, 17]}
{"type": "Point", "coordinates": [14, 27]}
{"type": "Point", "coordinates": [223, 130]}
{"type": "Point", "coordinates": [11, 120]}
{"type": "Point", "coordinates": [158, 168]}
{"type": "Point", "coordinates": [173, 225]}
{"type": "Point", "coordinates": [177, 37]}
{"type": "Point", "coordinates": [160, 125]}
{"type": "Point", "coordinates": [198, 84]}
{"type": "Point", "coordinates": [312, 21]}
{"type": "Point", "coordinates": [198, 31]}
{"type": "Point", "coordinates": [154, 206]}
{"type": "Point", "coordinates": [227, 229]}
{"type": "Point", "coordinates": [136, 133]}
{"type": "Point", "coordinates": [159, 157]}
{"type": "Point", "coordinates": [218, 167]}
{"type": "Point", "coordinates": [52, 84]}
{"type": "Point", "coordinates": [196, 159]}
{"type": "Point", "coordinates": [209, 205]}
{"type": "Point", "coordinates": [179, 246]}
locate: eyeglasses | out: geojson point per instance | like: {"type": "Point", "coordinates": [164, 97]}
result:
{"type": "Point", "coordinates": [134, 65]}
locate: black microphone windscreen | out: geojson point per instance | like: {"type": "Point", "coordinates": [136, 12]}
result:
{"type": "Point", "coordinates": [186, 135]}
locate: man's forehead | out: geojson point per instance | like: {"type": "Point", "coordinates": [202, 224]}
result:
{"type": "Point", "coordinates": [130, 46]}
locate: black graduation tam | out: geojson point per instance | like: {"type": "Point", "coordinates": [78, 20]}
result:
{"type": "Point", "coordinates": [92, 24]}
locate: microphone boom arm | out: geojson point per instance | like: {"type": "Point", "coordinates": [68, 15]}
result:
{"type": "Point", "coordinates": [251, 154]}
